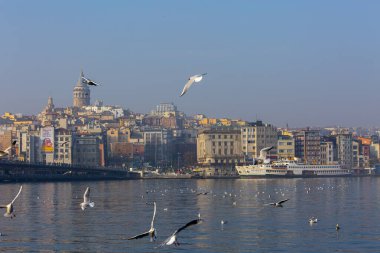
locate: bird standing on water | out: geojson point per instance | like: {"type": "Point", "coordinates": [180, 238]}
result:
{"type": "Point", "coordinates": [192, 79]}
{"type": "Point", "coordinates": [9, 213]}
{"type": "Point", "coordinates": [86, 200]}
{"type": "Point", "coordinates": [151, 232]}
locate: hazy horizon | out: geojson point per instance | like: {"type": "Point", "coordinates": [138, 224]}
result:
{"type": "Point", "coordinates": [295, 62]}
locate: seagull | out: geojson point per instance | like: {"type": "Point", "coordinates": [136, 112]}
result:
{"type": "Point", "coordinates": [202, 193]}
{"type": "Point", "coordinates": [86, 200]}
{"type": "Point", "coordinates": [313, 220]}
{"type": "Point", "coordinates": [337, 227]}
{"type": "Point", "coordinates": [192, 79]}
{"type": "Point", "coordinates": [151, 231]}
{"type": "Point", "coordinates": [5, 152]}
{"type": "Point", "coordinates": [173, 238]}
{"type": "Point", "coordinates": [223, 222]}
{"type": "Point", "coordinates": [90, 82]}
{"type": "Point", "coordinates": [278, 204]}
{"type": "Point", "coordinates": [9, 208]}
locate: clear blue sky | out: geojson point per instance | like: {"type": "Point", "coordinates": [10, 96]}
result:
{"type": "Point", "coordinates": [305, 63]}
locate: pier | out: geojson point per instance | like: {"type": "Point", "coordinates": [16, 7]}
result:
{"type": "Point", "coordinates": [18, 171]}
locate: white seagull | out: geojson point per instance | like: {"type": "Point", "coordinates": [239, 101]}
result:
{"type": "Point", "coordinates": [5, 152]}
{"type": "Point", "coordinates": [278, 204]}
{"type": "Point", "coordinates": [9, 208]}
{"type": "Point", "coordinates": [86, 200]}
{"type": "Point", "coordinates": [151, 232]}
{"type": "Point", "coordinates": [192, 79]}
{"type": "Point", "coordinates": [90, 82]}
{"type": "Point", "coordinates": [313, 220]}
{"type": "Point", "coordinates": [173, 238]}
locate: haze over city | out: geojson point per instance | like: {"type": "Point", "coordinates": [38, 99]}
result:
{"type": "Point", "coordinates": [298, 63]}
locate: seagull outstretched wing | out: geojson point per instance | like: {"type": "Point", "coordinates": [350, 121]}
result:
{"type": "Point", "coordinates": [139, 236]}
{"type": "Point", "coordinates": [193, 222]}
{"type": "Point", "coordinates": [282, 201]}
{"type": "Point", "coordinates": [86, 195]}
{"type": "Point", "coordinates": [17, 195]}
{"type": "Point", "coordinates": [188, 85]}
{"type": "Point", "coordinates": [90, 82]}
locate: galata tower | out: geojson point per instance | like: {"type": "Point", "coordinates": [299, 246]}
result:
{"type": "Point", "coordinates": [81, 93]}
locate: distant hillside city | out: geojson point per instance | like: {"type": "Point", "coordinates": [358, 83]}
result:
{"type": "Point", "coordinates": [102, 135]}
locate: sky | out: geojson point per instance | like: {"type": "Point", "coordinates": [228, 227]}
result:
{"type": "Point", "coordinates": [301, 63]}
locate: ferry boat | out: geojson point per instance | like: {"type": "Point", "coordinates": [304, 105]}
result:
{"type": "Point", "coordinates": [289, 168]}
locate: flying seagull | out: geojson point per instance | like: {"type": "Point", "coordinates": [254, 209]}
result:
{"type": "Point", "coordinates": [173, 238]}
{"type": "Point", "coordinates": [278, 204]}
{"type": "Point", "coordinates": [86, 200]}
{"type": "Point", "coordinates": [90, 82]}
{"type": "Point", "coordinates": [5, 152]}
{"type": "Point", "coordinates": [151, 231]}
{"type": "Point", "coordinates": [192, 79]}
{"type": "Point", "coordinates": [9, 208]}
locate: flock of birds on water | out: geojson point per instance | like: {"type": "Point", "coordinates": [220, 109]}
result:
{"type": "Point", "coordinates": [151, 232]}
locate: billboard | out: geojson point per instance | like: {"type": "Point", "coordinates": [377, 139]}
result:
{"type": "Point", "coordinates": [47, 139]}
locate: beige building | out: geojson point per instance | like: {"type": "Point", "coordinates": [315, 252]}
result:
{"type": "Point", "coordinates": [257, 136]}
{"type": "Point", "coordinates": [285, 147]}
{"type": "Point", "coordinates": [219, 146]}
{"type": "Point", "coordinates": [116, 136]}
{"type": "Point", "coordinates": [327, 153]}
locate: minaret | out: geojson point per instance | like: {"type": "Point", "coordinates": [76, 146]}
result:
{"type": "Point", "coordinates": [81, 93]}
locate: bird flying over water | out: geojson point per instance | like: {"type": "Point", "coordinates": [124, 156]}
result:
{"type": "Point", "coordinates": [86, 200]}
{"type": "Point", "coordinates": [5, 152]}
{"type": "Point", "coordinates": [151, 232]}
{"type": "Point", "coordinates": [192, 79]}
{"type": "Point", "coordinates": [9, 213]}
{"type": "Point", "coordinates": [173, 238]}
{"type": "Point", "coordinates": [278, 204]}
{"type": "Point", "coordinates": [90, 82]}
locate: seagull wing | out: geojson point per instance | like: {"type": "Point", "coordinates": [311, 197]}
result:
{"type": "Point", "coordinates": [193, 222]}
{"type": "Point", "coordinates": [17, 195]}
{"type": "Point", "coordinates": [154, 215]}
{"type": "Point", "coordinates": [3, 207]}
{"type": "Point", "coordinates": [187, 85]}
{"type": "Point", "coordinates": [167, 239]}
{"type": "Point", "coordinates": [282, 201]}
{"type": "Point", "coordinates": [270, 204]}
{"type": "Point", "coordinates": [85, 79]}
{"type": "Point", "coordinates": [2, 153]}
{"type": "Point", "coordinates": [93, 83]}
{"type": "Point", "coordinates": [86, 195]}
{"type": "Point", "coordinates": [139, 236]}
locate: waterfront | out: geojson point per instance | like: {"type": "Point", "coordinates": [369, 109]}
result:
{"type": "Point", "coordinates": [49, 217]}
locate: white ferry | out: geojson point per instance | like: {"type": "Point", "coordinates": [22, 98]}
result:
{"type": "Point", "coordinates": [288, 168]}
{"type": "Point", "coordinates": [291, 169]}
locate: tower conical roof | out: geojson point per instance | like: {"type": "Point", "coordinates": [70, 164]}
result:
{"type": "Point", "coordinates": [81, 82]}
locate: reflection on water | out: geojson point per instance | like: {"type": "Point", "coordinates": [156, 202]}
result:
{"type": "Point", "coordinates": [49, 217]}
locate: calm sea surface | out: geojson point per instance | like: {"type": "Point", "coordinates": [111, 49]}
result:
{"type": "Point", "coordinates": [49, 217]}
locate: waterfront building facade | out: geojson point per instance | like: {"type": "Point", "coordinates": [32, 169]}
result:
{"type": "Point", "coordinates": [219, 146]}
{"type": "Point", "coordinates": [256, 136]}
{"type": "Point", "coordinates": [308, 146]}
{"type": "Point", "coordinates": [285, 147]}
